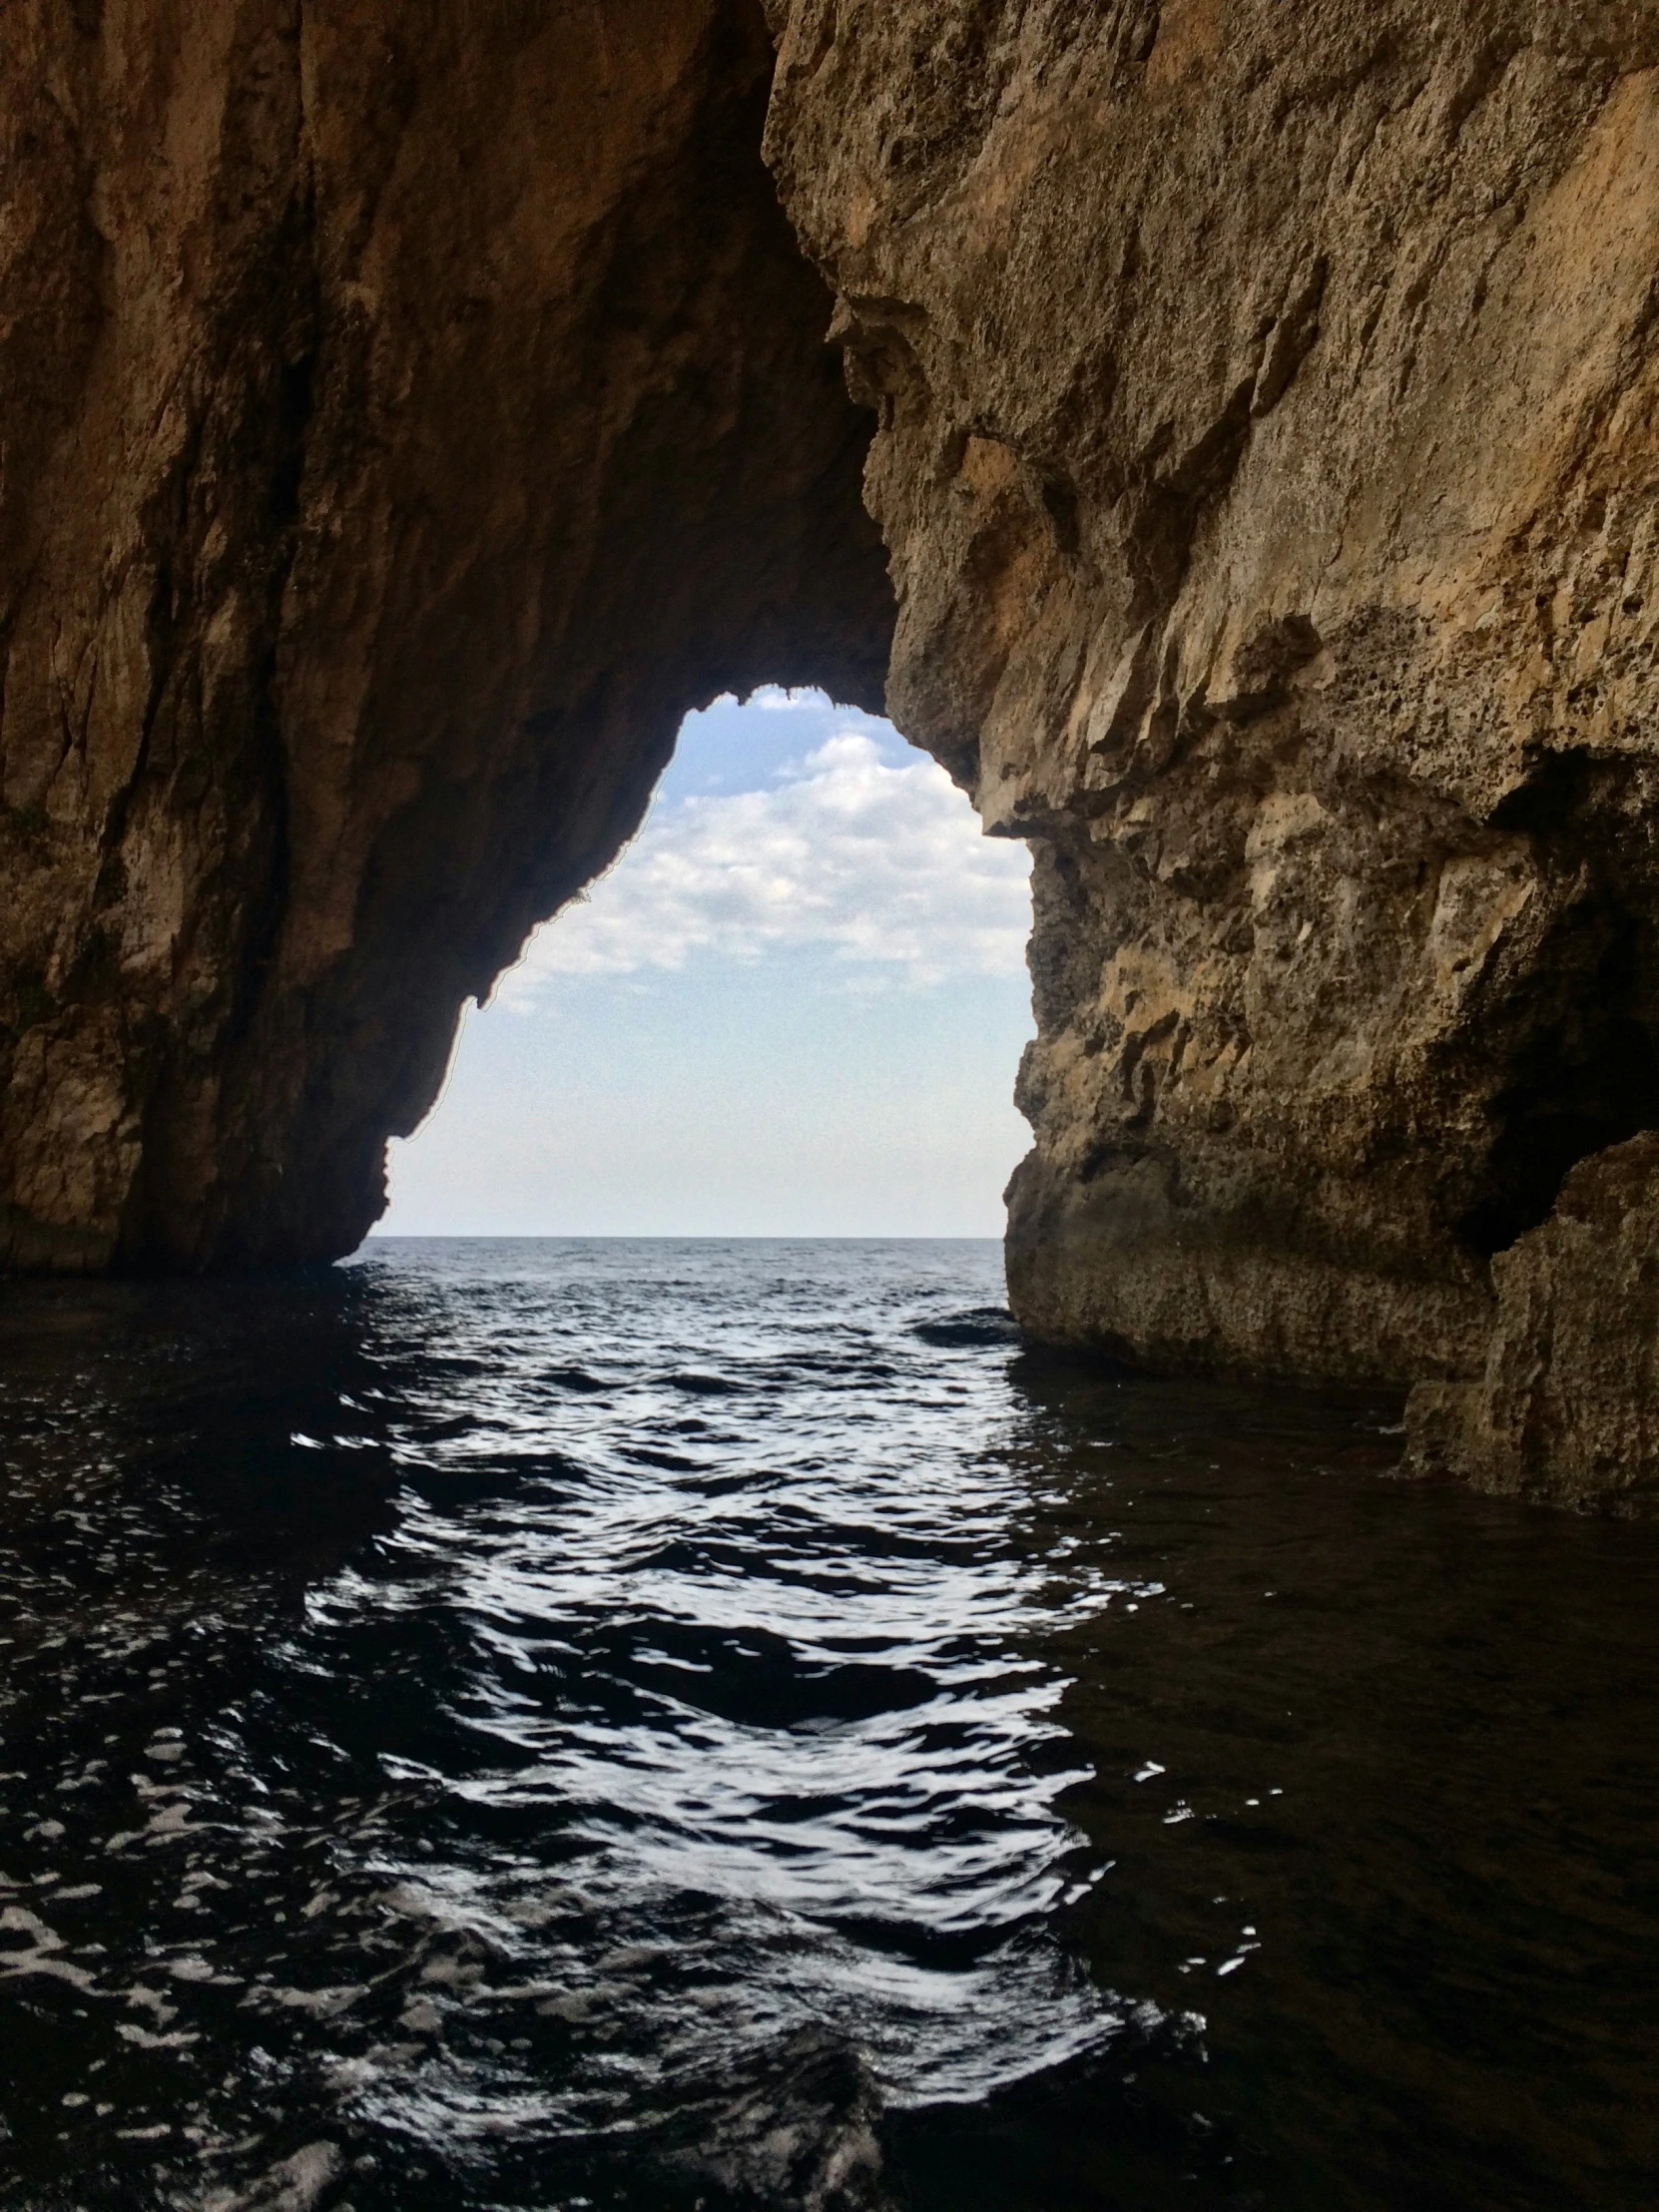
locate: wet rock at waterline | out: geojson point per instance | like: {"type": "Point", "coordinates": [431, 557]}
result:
{"type": "Point", "coordinates": [1264, 449]}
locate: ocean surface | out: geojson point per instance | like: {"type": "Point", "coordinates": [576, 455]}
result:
{"type": "Point", "coordinates": [672, 1725]}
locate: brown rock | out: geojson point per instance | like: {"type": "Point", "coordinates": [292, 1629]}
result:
{"type": "Point", "coordinates": [1568, 1406]}
{"type": "Point", "coordinates": [1268, 434]}
{"type": "Point", "coordinates": [409, 412]}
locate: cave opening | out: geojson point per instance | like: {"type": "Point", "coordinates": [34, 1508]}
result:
{"type": "Point", "coordinates": [794, 1006]}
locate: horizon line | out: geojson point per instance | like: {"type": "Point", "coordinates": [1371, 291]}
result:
{"type": "Point", "coordinates": [670, 1236]}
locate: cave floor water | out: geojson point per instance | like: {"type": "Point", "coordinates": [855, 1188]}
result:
{"type": "Point", "coordinates": [672, 1725]}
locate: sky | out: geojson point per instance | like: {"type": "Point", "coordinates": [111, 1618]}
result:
{"type": "Point", "coordinates": [792, 1007]}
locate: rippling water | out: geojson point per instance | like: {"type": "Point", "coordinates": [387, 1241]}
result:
{"type": "Point", "coordinates": [658, 1725]}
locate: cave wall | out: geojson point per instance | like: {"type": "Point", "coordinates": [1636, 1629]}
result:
{"type": "Point", "coordinates": [408, 413]}
{"type": "Point", "coordinates": [1268, 449]}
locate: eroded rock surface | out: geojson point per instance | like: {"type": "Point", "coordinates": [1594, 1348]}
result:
{"type": "Point", "coordinates": [1267, 451]}
{"type": "Point", "coordinates": [408, 413]}
{"type": "Point", "coordinates": [1568, 1406]}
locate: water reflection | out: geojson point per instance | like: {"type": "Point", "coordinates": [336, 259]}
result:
{"type": "Point", "coordinates": [540, 1725]}
{"type": "Point", "coordinates": [501, 1698]}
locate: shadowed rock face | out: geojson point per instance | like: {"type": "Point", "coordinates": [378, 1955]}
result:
{"type": "Point", "coordinates": [408, 412]}
{"type": "Point", "coordinates": [1567, 1403]}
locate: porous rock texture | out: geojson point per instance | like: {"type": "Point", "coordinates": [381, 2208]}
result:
{"type": "Point", "coordinates": [1269, 436]}
{"type": "Point", "coordinates": [410, 409]}
{"type": "Point", "coordinates": [1567, 1406]}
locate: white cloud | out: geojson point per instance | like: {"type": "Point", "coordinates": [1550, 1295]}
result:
{"type": "Point", "coordinates": [882, 867]}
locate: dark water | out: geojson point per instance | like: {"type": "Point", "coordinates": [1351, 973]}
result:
{"type": "Point", "coordinates": [672, 1725]}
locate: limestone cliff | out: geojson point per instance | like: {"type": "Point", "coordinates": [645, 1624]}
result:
{"type": "Point", "coordinates": [1267, 453]}
{"type": "Point", "coordinates": [409, 410]}
{"type": "Point", "coordinates": [408, 413]}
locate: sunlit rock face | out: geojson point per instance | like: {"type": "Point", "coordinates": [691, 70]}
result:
{"type": "Point", "coordinates": [407, 412]}
{"type": "Point", "coordinates": [1269, 429]}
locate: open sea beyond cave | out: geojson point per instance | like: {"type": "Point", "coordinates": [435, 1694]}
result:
{"type": "Point", "coordinates": [694, 1724]}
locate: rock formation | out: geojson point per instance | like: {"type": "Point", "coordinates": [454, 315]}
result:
{"type": "Point", "coordinates": [410, 410]}
{"type": "Point", "coordinates": [408, 413]}
{"type": "Point", "coordinates": [1267, 455]}
{"type": "Point", "coordinates": [1567, 1403]}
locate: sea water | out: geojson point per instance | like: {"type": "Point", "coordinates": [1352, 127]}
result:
{"type": "Point", "coordinates": [650, 1724]}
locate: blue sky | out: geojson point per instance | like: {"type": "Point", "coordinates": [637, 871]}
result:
{"type": "Point", "coordinates": [794, 1007]}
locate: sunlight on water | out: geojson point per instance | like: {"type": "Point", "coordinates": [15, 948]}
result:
{"type": "Point", "coordinates": [554, 1724]}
